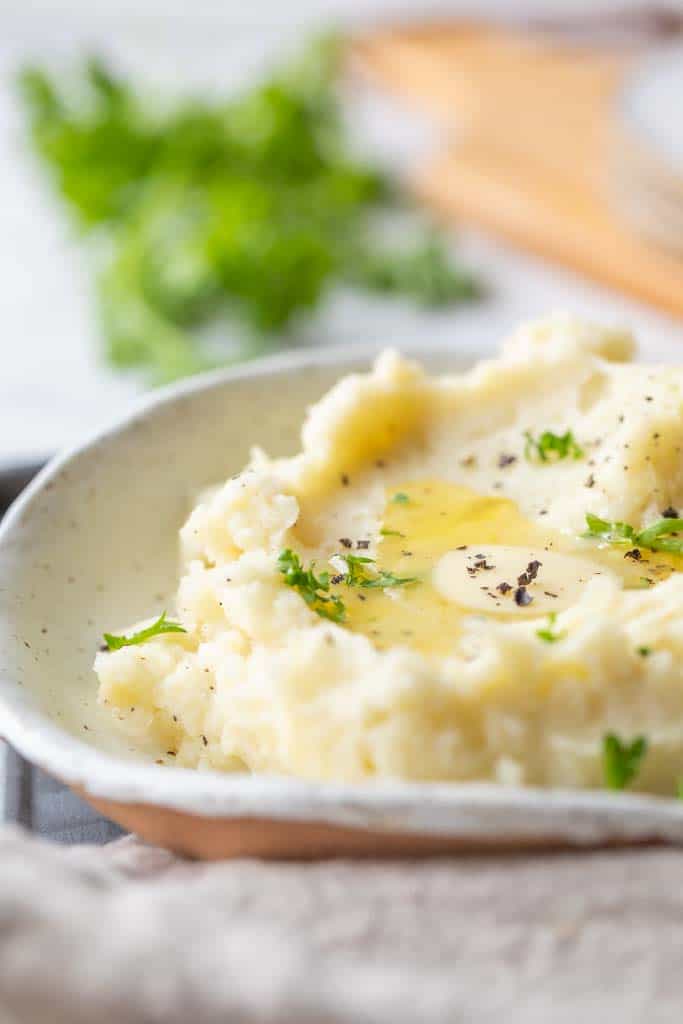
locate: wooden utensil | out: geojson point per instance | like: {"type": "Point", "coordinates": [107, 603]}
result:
{"type": "Point", "coordinates": [530, 145]}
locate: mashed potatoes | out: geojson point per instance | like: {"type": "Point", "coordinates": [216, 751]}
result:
{"type": "Point", "coordinates": [413, 594]}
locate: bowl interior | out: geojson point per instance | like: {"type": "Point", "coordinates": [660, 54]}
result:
{"type": "Point", "coordinates": [93, 546]}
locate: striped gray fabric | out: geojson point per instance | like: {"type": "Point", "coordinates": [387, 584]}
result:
{"type": "Point", "coordinates": [32, 798]}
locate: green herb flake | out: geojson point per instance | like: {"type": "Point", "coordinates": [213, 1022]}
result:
{"type": "Point", "coordinates": [550, 447]}
{"type": "Point", "coordinates": [313, 589]}
{"type": "Point", "coordinates": [657, 536]}
{"type": "Point", "coordinates": [662, 535]}
{"type": "Point", "coordinates": [158, 628]}
{"type": "Point", "coordinates": [548, 635]}
{"type": "Point", "coordinates": [359, 574]}
{"type": "Point", "coordinates": [400, 498]}
{"type": "Point", "coordinates": [644, 652]}
{"type": "Point", "coordinates": [391, 533]}
{"type": "Point", "coordinates": [611, 532]}
{"type": "Point", "coordinates": [620, 760]}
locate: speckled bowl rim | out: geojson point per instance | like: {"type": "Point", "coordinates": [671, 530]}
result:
{"type": "Point", "coordinates": [472, 811]}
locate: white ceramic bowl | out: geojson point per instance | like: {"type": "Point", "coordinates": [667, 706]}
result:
{"type": "Point", "coordinates": [92, 545]}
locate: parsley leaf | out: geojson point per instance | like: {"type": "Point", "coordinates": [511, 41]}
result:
{"type": "Point", "coordinates": [400, 498]}
{"type": "Point", "coordinates": [656, 536]}
{"type": "Point", "coordinates": [662, 535]}
{"type": "Point", "coordinates": [621, 760]}
{"type": "Point", "coordinates": [613, 533]}
{"type": "Point", "coordinates": [314, 589]}
{"type": "Point", "coordinates": [359, 575]}
{"type": "Point", "coordinates": [391, 533]}
{"type": "Point", "coordinates": [644, 652]}
{"type": "Point", "coordinates": [550, 447]}
{"type": "Point", "coordinates": [158, 628]}
{"type": "Point", "coordinates": [548, 635]}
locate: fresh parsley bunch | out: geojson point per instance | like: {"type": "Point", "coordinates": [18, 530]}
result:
{"type": "Point", "coordinates": [249, 208]}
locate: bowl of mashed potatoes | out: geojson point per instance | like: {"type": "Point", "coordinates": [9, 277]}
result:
{"type": "Point", "coordinates": [446, 610]}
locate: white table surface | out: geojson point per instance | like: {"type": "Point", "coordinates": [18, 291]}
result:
{"type": "Point", "coordinates": [54, 387]}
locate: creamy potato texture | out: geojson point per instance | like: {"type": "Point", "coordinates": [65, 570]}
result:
{"type": "Point", "coordinates": [413, 594]}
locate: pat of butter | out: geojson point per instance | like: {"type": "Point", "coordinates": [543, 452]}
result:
{"type": "Point", "coordinates": [486, 578]}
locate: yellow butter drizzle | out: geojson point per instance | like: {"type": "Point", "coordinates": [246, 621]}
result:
{"type": "Point", "coordinates": [433, 517]}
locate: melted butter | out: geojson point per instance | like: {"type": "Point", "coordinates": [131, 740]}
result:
{"type": "Point", "coordinates": [487, 581]}
{"type": "Point", "coordinates": [423, 532]}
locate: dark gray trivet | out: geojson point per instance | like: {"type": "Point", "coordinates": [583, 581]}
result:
{"type": "Point", "coordinates": [32, 798]}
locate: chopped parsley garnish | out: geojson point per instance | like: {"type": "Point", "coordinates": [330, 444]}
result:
{"type": "Point", "coordinates": [158, 628]}
{"type": "Point", "coordinates": [644, 652]}
{"type": "Point", "coordinates": [314, 589]}
{"type": "Point", "coordinates": [621, 760]}
{"type": "Point", "coordinates": [550, 447]}
{"type": "Point", "coordinates": [613, 533]}
{"type": "Point", "coordinates": [391, 533]}
{"type": "Point", "coordinates": [547, 634]}
{"type": "Point", "coordinates": [400, 498]}
{"type": "Point", "coordinates": [359, 574]}
{"type": "Point", "coordinates": [659, 536]}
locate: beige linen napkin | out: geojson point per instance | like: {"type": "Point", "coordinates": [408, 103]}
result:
{"type": "Point", "coordinates": [128, 934]}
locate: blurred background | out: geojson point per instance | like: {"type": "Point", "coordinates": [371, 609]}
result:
{"type": "Point", "coordinates": [186, 185]}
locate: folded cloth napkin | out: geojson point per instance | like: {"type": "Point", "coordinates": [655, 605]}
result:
{"type": "Point", "coordinates": [129, 934]}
